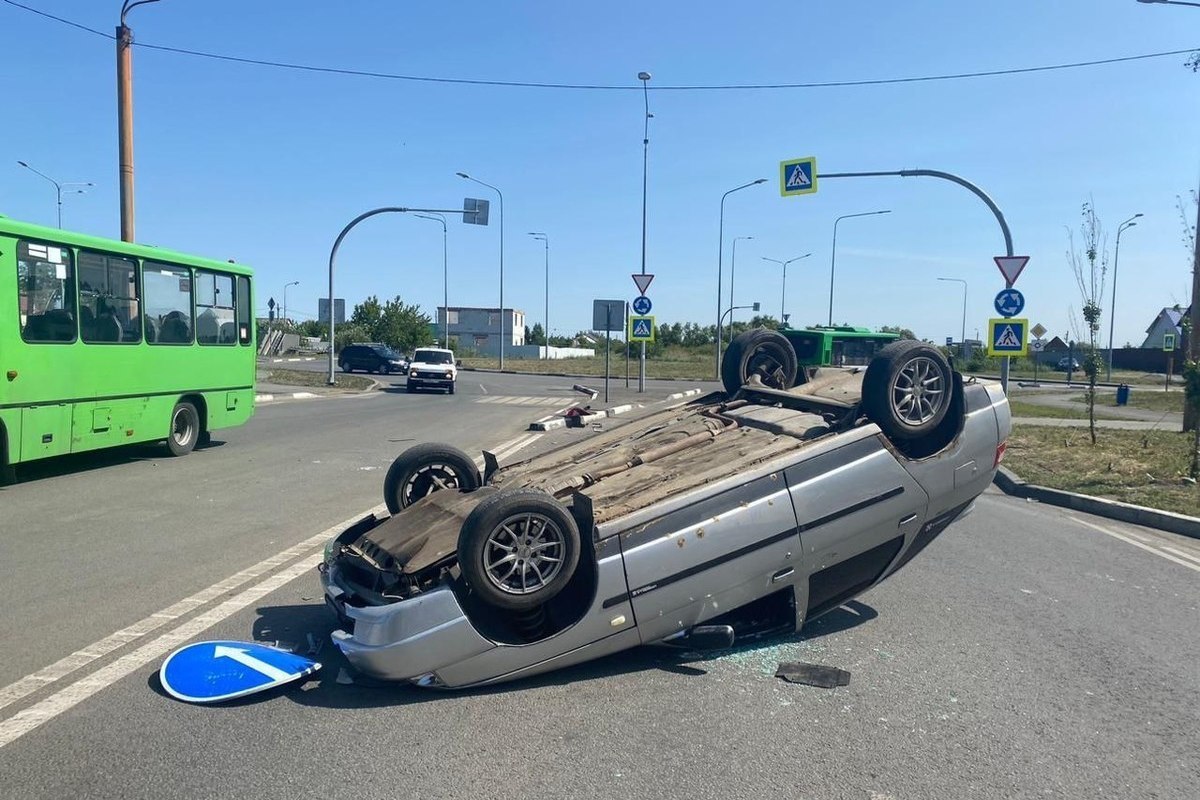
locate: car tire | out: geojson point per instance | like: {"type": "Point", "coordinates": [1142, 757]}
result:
{"type": "Point", "coordinates": [759, 352]}
{"type": "Point", "coordinates": [529, 530]}
{"type": "Point", "coordinates": [907, 389]}
{"type": "Point", "coordinates": [345, 367]}
{"type": "Point", "coordinates": [425, 468]}
{"type": "Point", "coordinates": [385, 370]}
{"type": "Point", "coordinates": [184, 431]}
{"type": "Point", "coordinates": [451, 389]}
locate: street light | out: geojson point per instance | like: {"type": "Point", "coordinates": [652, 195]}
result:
{"type": "Point", "coordinates": [125, 116]}
{"type": "Point", "coordinates": [546, 319]}
{"type": "Point", "coordinates": [962, 338]}
{"type": "Point", "coordinates": [445, 280]}
{"type": "Point", "coordinates": [465, 176]}
{"type": "Point", "coordinates": [1129, 223]}
{"type": "Point", "coordinates": [58, 187]}
{"type": "Point", "coordinates": [783, 291]}
{"type": "Point", "coordinates": [833, 256]}
{"type": "Point", "coordinates": [720, 264]}
{"type": "Point", "coordinates": [732, 271]}
{"type": "Point", "coordinates": [285, 288]}
{"type": "Point", "coordinates": [729, 313]}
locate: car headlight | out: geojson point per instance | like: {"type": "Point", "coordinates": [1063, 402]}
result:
{"type": "Point", "coordinates": [449, 374]}
{"type": "Point", "coordinates": [412, 374]}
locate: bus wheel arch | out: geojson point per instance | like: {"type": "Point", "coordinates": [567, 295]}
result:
{"type": "Point", "coordinates": [186, 426]}
{"type": "Point", "coordinates": [8, 473]}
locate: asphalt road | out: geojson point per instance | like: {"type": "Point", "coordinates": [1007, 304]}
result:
{"type": "Point", "coordinates": [1029, 652]}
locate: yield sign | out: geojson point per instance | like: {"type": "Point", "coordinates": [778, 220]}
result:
{"type": "Point", "coordinates": [643, 281]}
{"type": "Point", "coordinates": [1010, 267]}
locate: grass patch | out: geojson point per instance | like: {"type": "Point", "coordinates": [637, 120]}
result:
{"type": "Point", "coordinates": [1147, 398]}
{"type": "Point", "coordinates": [666, 367]}
{"type": "Point", "coordinates": [1145, 468]}
{"type": "Point", "coordinates": [1021, 408]}
{"type": "Point", "coordinates": [299, 377]}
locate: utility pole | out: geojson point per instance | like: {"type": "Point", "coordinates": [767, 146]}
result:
{"type": "Point", "coordinates": [644, 77]}
{"type": "Point", "coordinates": [125, 117]}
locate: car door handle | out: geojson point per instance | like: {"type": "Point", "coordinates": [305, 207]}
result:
{"type": "Point", "coordinates": [908, 519]}
{"type": "Point", "coordinates": [783, 573]}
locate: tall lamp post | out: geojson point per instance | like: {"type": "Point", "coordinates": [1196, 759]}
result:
{"type": "Point", "coordinates": [783, 290]}
{"type": "Point", "coordinates": [720, 265]}
{"type": "Point", "coordinates": [545, 240]}
{"type": "Point", "coordinates": [465, 176]}
{"type": "Point", "coordinates": [833, 257]}
{"type": "Point", "coordinates": [445, 279]}
{"type": "Point", "coordinates": [962, 337]}
{"type": "Point", "coordinates": [125, 116]}
{"type": "Point", "coordinates": [72, 187]}
{"type": "Point", "coordinates": [285, 288]}
{"type": "Point", "coordinates": [1129, 223]}
{"type": "Point", "coordinates": [732, 275]}
{"type": "Point", "coordinates": [1191, 411]}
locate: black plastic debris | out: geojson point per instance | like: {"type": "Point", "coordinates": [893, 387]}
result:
{"type": "Point", "coordinates": [812, 674]}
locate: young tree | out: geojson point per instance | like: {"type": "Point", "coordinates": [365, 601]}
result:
{"type": "Point", "coordinates": [905, 333]}
{"type": "Point", "coordinates": [367, 313]}
{"type": "Point", "coordinates": [403, 327]}
{"type": "Point", "coordinates": [1191, 362]}
{"type": "Point", "coordinates": [1089, 264]}
{"type": "Point", "coordinates": [536, 335]}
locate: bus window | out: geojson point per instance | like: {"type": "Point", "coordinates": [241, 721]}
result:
{"type": "Point", "coordinates": [108, 299]}
{"type": "Point", "coordinates": [214, 308]}
{"type": "Point", "coordinates": [45, 292]}
{"type": "Point", "coordinates": [168, 303]}
{"type": "Point", "coordinates": [244, 309]}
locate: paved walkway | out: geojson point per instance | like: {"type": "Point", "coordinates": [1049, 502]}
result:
{"type": "Point", "coordinates": [1124, 424]}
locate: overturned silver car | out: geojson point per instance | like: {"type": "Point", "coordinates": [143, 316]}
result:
{"type": "Point", "coordinates": [740, 514]}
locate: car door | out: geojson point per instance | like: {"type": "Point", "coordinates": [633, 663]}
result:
{"type": "Point", "coordinates": [719, 552]}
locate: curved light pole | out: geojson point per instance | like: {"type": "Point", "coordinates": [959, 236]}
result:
{"type": "Point", "coordinates": [1129, 223]}
{"type": "Point", "coordinates": [720, 264]}
{"type": "Point", "coordinates": [285, 288]}
{"type": "Point", "coordinates": [125, 116]}
{"type": "Point", "coordinates": [58, 187]}
{"type": "Point", "coordinates": [445, 280]}
{"type": "Point", "coordinates": [783, 290]}
{"type": "Point", "coordinates": [544, 239]}
{"type": "Point", "coordinates": [962, 338]}
{"type": "Point", "coordinates": [465, 176]}
{"type": "Point", "coordinates": [732, 274]}
{"type": "Point", "coordinates": [833, 256]}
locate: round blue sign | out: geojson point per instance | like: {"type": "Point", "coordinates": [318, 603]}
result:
{"type": "Point", "coordinates": [642, 305]}
{"type": "Point", "coordinates": [1009, 302]}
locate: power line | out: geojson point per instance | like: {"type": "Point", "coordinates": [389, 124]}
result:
{"type": "Point", "coordinates": [615, 87]}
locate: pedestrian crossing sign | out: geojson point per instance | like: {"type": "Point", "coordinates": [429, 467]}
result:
{"type": "Point", "coordinates": [641, 329]}
{"type": "Point", "coordinates": [1008, 337]}
{"type": "Point", "coordinates": [798, 176]}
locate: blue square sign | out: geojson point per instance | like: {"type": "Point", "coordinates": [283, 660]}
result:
{"type": "Point", "coordinates": [797, 176]}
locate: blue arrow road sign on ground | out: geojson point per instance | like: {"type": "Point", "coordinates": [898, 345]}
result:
{"type": "Point", "coordinates": [642, 305]}
{"type": "Point", "coordinates": [1009, 302]}
{"type": "Point", "coordinates": [208, 672]}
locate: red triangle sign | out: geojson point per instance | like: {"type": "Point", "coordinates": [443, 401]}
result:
{"type": "Point", "coordinates": [1010, 267]}
{"type": "Point", "coordinates": [643, 281]}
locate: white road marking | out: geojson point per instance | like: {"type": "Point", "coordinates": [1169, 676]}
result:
{"type": "Point", "coordinates": [1123, 537]}
{"type": "Point", "coordinates": [63, 700]}
{"type": "Point", "coordinates": [27, 720]}
{"type": "Point", "coordinates": [81, 658]}
{"type": "Point", "coordinates": [1182, 554]}
{"type": "Point", "coordinates": [483, 388]}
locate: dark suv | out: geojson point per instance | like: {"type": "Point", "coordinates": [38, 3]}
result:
{"type": "Point", "coordinates": [371, 358]}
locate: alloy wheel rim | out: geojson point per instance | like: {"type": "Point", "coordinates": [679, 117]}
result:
{"type": "Point", "coordinates": [524, 553]}
{"type": "Point", "coordinates": [429, 479]}
{"type": "Point", "coordinates": [918, 391]}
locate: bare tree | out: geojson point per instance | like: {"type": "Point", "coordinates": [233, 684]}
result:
{"type": "Point", "coordinates": [1191, 363]}
{"type": "Point", "coordinates": [1090, 265]}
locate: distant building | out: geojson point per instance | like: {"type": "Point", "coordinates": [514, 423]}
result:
{"type": "Point", "coordinates": [1169, 320]}
{"type": "Point", "coordinates": [478, 329]}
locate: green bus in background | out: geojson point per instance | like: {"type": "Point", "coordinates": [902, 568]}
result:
{"type": "Point", "coordinates": [105, 343]}
{"type": "Point", "coordinates": [840, 346]}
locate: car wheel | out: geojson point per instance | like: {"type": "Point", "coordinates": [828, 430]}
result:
{"type": "Point", "coordinates": [451, 389]}
{"type": "Point", "coordinates": [518, 549]}
{"type": "Point", "coordinates": [185, 429]}
{"type": "Point", "coordinates": [760, 352]}
{"type": "Point", "coordinates": [426, 468]}
{"type": "Point", "coordinates": [345, 367]}
{"type": "Point", "coordinates": [907, 389]}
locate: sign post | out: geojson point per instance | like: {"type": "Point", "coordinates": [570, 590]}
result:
{"type": "Point", "coordinates": [604, 315]}
{"type": "Point", "coordinates": [1169, 349]}
{"type": "Point", "coordinates": [1010, 267]}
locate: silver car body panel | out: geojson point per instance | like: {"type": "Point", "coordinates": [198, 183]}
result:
{"type": "Point", "coordinates": [805, 521]}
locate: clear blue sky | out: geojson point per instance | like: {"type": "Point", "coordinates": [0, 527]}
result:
{"type": "Point", "coordinates": [266, 165]}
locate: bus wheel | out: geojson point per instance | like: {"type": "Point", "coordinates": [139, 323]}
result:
{"type": "Point", "coordinates": [8, 475]}
{"type": "Point", "coordinates": [185, 429]}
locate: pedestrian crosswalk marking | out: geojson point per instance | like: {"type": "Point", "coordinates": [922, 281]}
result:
{"type": "Point", "coordinates": [524, 401]}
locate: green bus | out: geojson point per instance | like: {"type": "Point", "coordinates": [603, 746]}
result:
{"type": "Point", "coordinates": [104, 343]}
{"type": "Point", "coordinates": [841, 346]}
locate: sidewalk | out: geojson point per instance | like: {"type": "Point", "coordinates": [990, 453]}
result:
{"type": "Point", "coordinates": [1125, 424]}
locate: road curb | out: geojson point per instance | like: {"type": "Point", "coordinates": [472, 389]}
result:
{"type": "Point", "coordinates": [561, 422]}
{"type": "Point", "coordinates": [561, 374]}
{"type": "Point", "coordinates": [688, 393]}
{"type": "Point", "coordinates": [1012, 484]}
{"type": "Point", "coordinates": [267, 398]}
